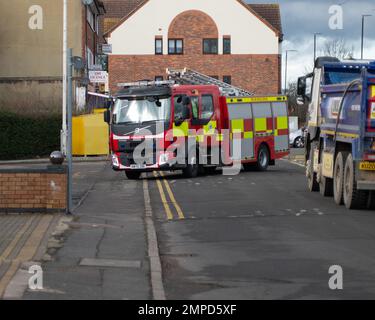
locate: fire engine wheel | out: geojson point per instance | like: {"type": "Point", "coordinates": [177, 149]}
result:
{"type": "Point", "coordinates": [192, 169]}
{"type": "Point", "coordinates": [338, 177]}
{"type": "Point", "coordinates": [132, 175]}
{"type": "Point", "coordinates": [326, 187]}
{"type": "Point", "coordinates": [263, 158]}
{"type": "Point", "coordinates": [353, 198]}
{"type": "Point", "coordinates": [312, 184]}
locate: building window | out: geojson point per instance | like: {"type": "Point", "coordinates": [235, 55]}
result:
{"type": "Point", "coordinates": [158, 46]}
{"type": "Point", "coordinates": [210, 46]}
{"type": "Point", "coordinates": [226, 45]}
{"type": "Point", "coordinates": [90, 58]}
{"type": "Point", "coordinates": [90, 18]}
{"type": "Point", "coordinates": [175, 46]}
{"type": "Point", "coordinates": [227, 79]}
{"type": "Point", "coordinates": [159, 78]}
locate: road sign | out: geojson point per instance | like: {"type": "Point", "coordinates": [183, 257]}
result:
{"type": "Point", "coordinates": [98, 76]}
{"type": "Point", "coordinates": [106, 48]}
{"type": "Point", "coordinates": [96, 67]}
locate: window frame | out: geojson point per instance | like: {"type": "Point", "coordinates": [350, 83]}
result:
{"type": "Point", "coordinates": [227, 76]}
{"type": "Point", "coordinates": [226, 38]}
{"type": "Point", "coordinates": [159, 53]}
{"type": "Point", "coordinates": [217, 46]}
{"type": "Point", "coordinates": [175, 46]}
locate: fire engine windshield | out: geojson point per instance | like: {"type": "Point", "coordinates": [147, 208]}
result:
{"type": "Point", "coordinates": [143, 110]}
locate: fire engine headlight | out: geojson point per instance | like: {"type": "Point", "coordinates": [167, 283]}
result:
{"type": "Point", "coordinates": [115, 161]}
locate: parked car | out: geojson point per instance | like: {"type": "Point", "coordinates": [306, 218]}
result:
{"type": "Point", "coordinates": [296, 138]}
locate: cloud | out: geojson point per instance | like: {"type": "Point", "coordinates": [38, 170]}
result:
{"type": "Point", "coordinates": [302, 18]}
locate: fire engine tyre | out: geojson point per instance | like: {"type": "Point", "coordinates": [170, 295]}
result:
{"type": "Point", "coordinates": [326, 187]}
{"type": "Point", "coordinates": [192, 169]}
{"type": "Point", "coordinates": [263, 158]}
{"type": "Point", "coordinates": [338, 177]}
{"type": "Point", "coordinates": [132, 175]}
{"type": "Point", "coordinates": [312, 183]}
{"type": "Point", "coordinates": [353, 198]}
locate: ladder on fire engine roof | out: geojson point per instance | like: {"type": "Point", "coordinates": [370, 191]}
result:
{"type": "Point", "coordinates": [187, 76]}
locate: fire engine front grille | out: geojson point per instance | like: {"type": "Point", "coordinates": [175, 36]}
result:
{"type": "Point", "coordinates": [127, 149]}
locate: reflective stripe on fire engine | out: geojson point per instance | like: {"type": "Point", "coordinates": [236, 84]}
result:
{"type": "Point", "coordinates": [208, 130]}
{"type": "Point", "coordinates": [373, 91]}
{"type": "Point", "coordinates": [181, 131]}
{"type": "Point", "coordinates": [239, 126]}
{"type": "Point", "coordinates": [257, 99]}
{"type": "Point", "coordinates": [281, 126]}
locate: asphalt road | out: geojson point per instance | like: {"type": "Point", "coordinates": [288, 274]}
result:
{"type": "Point", "coordinates": [259, 235]}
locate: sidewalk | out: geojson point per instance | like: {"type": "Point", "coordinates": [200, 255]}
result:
{"type": "Point", "coordinates": [104, 252]}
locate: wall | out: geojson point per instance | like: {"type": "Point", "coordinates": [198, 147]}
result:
{"type": "Point", "coordinates": [36, 53]}
{"type": "Point", "coordinates": [33, 190]}
{"type": "Point", "coordinates": [257, 73]}
{"type": "Point", "coordinates": [38, 96]}
{"type": "Point", "coordinates": [249, 34]}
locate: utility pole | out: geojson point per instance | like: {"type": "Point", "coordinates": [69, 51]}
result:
{"type": "Point", "coordinates": [286, 69]}
{"type": "Point", "coordinates": [64, 82]}
{"type": "Point", "coordinates": [363, 32]}
{"type": "Point", "coordinates": [315, 44]}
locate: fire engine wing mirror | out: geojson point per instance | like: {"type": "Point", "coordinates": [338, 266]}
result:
{"type": "Point", "coordinates": [107, 116]}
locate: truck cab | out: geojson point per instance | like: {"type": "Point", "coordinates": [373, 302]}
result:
{"type": "Point", "coordinates": [340, 145]}
{"type": "Point", "coordinates": [157, 116]}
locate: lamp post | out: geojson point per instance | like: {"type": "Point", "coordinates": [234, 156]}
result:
{"type": "Point", "coordinates": [286, 69]}
{"type": "Point", "coordinates": [316, 34]}
{"type": "Point", "coordinates": [363, 32]}
{"type": "Point", "coordinates": [64, 82]}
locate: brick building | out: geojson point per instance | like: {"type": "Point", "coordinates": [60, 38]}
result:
{"type": "Point", "coordinates": [230, 40]}
{"type": "Point", "coordinates": [31, 50]}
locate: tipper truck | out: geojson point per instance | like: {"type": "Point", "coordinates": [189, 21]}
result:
{"type": "Point", "coordinates": [340, 135]}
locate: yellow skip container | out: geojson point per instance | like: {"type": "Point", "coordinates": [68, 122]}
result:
{"type": "Point", "coordinates": [90, 135]}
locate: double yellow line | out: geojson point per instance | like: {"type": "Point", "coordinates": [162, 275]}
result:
{"type": "Point", "coordinates": [163, 197]}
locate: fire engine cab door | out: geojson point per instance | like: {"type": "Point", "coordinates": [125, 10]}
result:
{"type": "Point", "coordinates": [281, 126]}
{"type": "Point", "coordinates": [241, 123]}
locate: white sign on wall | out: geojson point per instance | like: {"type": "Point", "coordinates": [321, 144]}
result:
{"type": "Point", "coordinates": [98, 76]}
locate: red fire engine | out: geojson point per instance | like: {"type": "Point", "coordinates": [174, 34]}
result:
{"type": "Point", "coordinates": [195, 123]}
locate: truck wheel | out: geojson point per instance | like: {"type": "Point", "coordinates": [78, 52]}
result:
{"type": "Point", "coordinates": [326, 187]}
{"type": "Point", "coordinates": [192, 168]}
{"type": "Point", "coordinates": [132, 175]}
{"type": "Point", "coordinates": [312, 184]}
{"type": "Point", "coordinates": [263, 160]}
{"type": "Point", "coordinates": [338, 177]}
{"type": "Point", "coordinates": [371, 200]}
{"type": "Point", "coordinates": [353, 198]}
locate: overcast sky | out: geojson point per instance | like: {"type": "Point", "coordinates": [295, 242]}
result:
{"type": "Point", "coordinates": [302, 18]}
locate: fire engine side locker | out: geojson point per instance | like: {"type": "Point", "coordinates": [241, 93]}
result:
{"type": "Point", "coordinates": [281, 126]}
{"type": "Point", "coordinates": [241, 122]}
{"type": "Point", "coordinates": [261, 118]}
